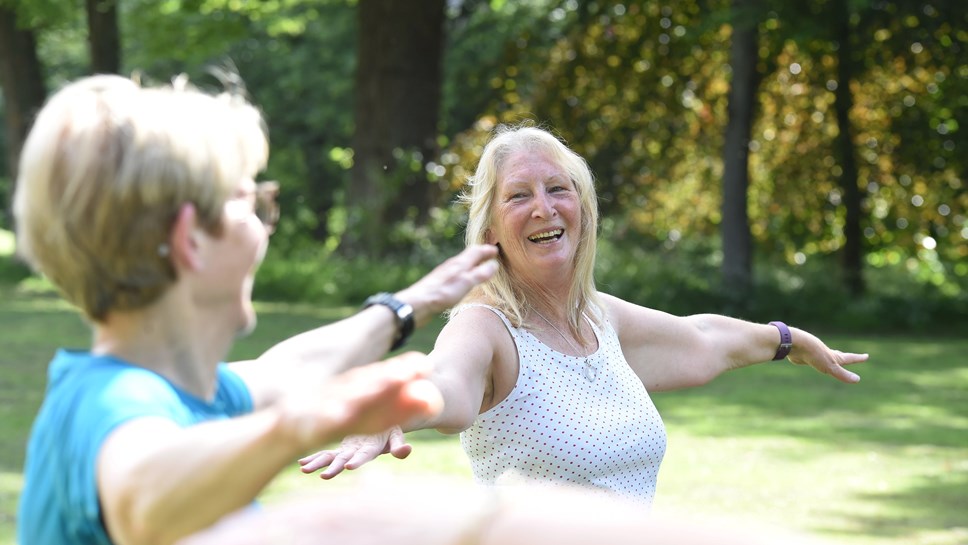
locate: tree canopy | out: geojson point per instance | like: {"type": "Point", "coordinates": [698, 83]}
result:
{"type": "Point", "coordinates": [639, 88]}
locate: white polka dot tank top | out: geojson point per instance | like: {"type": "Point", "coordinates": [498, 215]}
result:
{"type": "Point", "coordinates": [570, 422]}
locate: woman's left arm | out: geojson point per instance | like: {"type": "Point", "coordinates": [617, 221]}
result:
{"type": "Point", "coordinates": [669, 352]}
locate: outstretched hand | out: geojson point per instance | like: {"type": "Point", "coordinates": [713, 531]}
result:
{"type": "Point", "coordinates": [364, 400]}
{"type": "Point", "coordinates": [355, 451]}
{"type": "Point", "coordinates": [809, 350]}
{"type": "Point", "coordinates": [450, 281]}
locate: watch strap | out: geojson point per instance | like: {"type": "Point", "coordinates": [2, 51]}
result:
{"type": "Point", "coordinates": [402, 312]}
{"type": "Point", "coordinates": [786, 341]}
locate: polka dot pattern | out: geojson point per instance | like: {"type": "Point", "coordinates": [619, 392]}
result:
{"type": "Point", "coordinates": [557, 426]}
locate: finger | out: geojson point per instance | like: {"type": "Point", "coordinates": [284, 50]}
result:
{"type": "Point", "coordinates": [397, 444]}
{"type": "Point", "coordinates": [479, 262]}
{"type": "Point", "coordinates": [484, 271]}
{"type": "Point", "coordinates": [474, 265]}
{"type": "Point", "coordinates": [477, 254]}
{"type": "Point", "coordinates": [402, 451]}
{"type": "Point", "coordinates": [844, 375]}
{"type": "Point", "coordinates": [334, 468]}
{"type": "Point", "coordinates": [313, 462]}
{"type": "Point", "coordinates": [848, 358]}
{"type": "Point", "coordinates": [311, 457]}
{"type": "Point", "coordinates": [361, 457]}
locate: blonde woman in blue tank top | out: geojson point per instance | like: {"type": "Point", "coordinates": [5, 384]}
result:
{"type": "Point", "coordinates": [548, 379]}
{"type": "Point", "coordinates": [140, 206]}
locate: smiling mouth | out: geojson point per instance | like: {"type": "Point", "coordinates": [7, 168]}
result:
{"type": "Point", "coordinates": [547, 237]}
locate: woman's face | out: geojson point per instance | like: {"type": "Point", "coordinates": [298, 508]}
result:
{"type": "Point", "coordinates": [234, 257]}
{"type": "Point", "coordinates": [536, 217]}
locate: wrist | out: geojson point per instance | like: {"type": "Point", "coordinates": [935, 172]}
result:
{"type": "Point", "coordinates": [786, 341]}
{"type": "Point", "coordinates": [403, 316]}
{"type": "Point", "coordinates": [424, 307]}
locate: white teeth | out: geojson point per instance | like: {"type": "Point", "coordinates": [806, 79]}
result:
{"type": "Point", "coordinates": [542, 237]}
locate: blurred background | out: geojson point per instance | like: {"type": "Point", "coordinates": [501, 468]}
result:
{"type": "Point", "coordinates": [769, 159]}
{"type": "Point", "coordinates": [759, 157]}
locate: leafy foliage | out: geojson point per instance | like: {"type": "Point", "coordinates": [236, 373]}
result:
{"type": "Point", "coordinates": [639, 89]}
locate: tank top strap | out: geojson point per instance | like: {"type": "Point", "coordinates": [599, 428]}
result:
{"type": "Point", "coordinates": [507, 323]}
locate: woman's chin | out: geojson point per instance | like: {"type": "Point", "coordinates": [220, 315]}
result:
{"type": "Point", "coordinates": [248, 322]}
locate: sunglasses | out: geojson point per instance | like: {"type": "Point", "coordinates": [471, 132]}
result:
{"type": "Point", "coordinates": [266, 207]}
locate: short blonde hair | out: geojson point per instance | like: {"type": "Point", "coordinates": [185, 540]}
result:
{"type": "Point", "coordinates": [479, 195]}
{"type": "Point", "coordinates": [104, 171]}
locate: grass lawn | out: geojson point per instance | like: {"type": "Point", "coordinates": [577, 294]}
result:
{"type": "Point", "coordinates": [881, 462]}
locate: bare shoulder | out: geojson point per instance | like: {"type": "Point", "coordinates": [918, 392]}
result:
{"type": "Point", "coordinates": [478, 337]}
{"type": "Point", "coordinates": [633, 319]}
{"type": "Point", "coordinates": [618, 311]}
{"type": "Point", "coordinates": [476, 322]}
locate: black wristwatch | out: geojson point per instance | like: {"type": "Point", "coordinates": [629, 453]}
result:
{"type": "Point", "coordinates": [402, 311]}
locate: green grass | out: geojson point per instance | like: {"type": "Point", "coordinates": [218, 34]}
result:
{"type": "Point", "coordinates": [881, 462]}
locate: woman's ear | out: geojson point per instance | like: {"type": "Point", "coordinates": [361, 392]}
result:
{"type": "Point", "coordinates": [183, 242]}
{"type": "Point", "coordinates": [489, 237]}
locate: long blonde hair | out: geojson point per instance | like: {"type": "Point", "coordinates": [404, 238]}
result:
{"type": "Point", "coordinates": [501, 291]}
{"type": "Point", "coordinates": [104, 171]}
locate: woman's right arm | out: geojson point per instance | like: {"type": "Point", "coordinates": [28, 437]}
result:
{"type": "Point", "coordinates": [158, 482]}
{"type": "Point", "coordinates": [468, 350]}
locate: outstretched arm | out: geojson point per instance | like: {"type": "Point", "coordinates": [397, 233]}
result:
{"type": "Point", "coordinates": [670, 352]}
{"type": "Point", "coordinates": [441, 511]}
{"type": "Point", "coordinates": [367, 335]}
{"type": "Point", "coordinates": [158, 482]}
{"type": "Point", "coordinates": [469, 349]}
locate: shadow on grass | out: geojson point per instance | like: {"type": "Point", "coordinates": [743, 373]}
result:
{"type": "Point", "coordinates": [912, 392]}
{"type": "Point", "coordinates": [910, 403]}
{"type": "Point", "coordinates": [936, 502]}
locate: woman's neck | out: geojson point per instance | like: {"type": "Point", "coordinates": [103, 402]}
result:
{"type": "Point", "coordinates": [181, 347]}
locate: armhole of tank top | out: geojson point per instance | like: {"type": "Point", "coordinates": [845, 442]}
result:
{"type": "Point", "coordinates": [517, 353]}
{"type": "Point", "coordinates": [507, 323]}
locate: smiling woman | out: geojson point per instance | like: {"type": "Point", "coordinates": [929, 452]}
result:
{"type": "Point", "coordinates": [549, 379]}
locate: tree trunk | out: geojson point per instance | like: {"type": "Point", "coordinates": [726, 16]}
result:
{"type": "Point", "coordinates": [398, 93]}
{"type": "Point", "coordinates": [103, 37]}
{"type": "Point", "coordinates": [21, 77]}
{"type": "Point", "coordinates": [852, 253]}
{"type": "Point", "coordinates": [737, 268]}
{"type": "Point", "coordinates": [322, 199]}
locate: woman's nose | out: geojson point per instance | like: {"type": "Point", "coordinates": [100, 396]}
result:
{"type": "Point", "coordinates": [543, 207]}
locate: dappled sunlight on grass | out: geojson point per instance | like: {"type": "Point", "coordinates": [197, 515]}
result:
{"type": "Point", "coordinates": [925, 507]}
{"type": "Point", "coordinates": [882, 462]}
{"type": "Point", "coordinates": [855, 496]}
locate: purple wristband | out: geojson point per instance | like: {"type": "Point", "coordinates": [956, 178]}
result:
{"type": "Point", "coordinates": [786, 341]}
